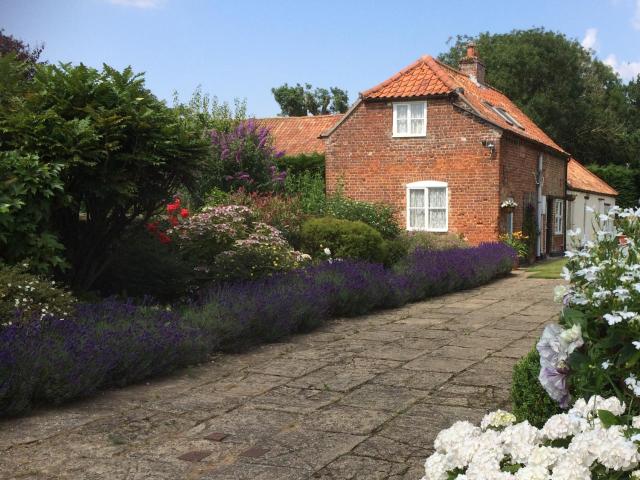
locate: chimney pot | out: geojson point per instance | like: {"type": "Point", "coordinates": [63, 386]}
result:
{"type": "Point", "coordinates": [471, 50]}
{"type": "Point", "coordinates": [471, 65]}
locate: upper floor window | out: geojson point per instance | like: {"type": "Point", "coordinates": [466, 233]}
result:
{"type": "Point", "coordinates": [410, 119]}
{"type": "Point", "coordinates": [559, 216]}
{"type": "Point", "coordinates": [427, 206]}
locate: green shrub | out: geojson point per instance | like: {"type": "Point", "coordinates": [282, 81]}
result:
{"type": "Point", "coordinates": [432, 241]}
{"type": "Point", "coordinates": [344, 238]}
{"type": "Point", "coordinates": [28, 189]}
{"type": "Point", "coordinates": [309, 187]}
{"type": "Point", "coordinates": [377, 215]}
{"type": "Point", "coordinates": [529, 400]}
{"type": "Point", "coordinates": [25, 297]}
{"type": "Point", "coordinates": [303, 163]}
{"type": "Point", "coordinates": [122, 152]}
{"type": "Point", "coordinates": [395, 250]}
{"type": "Point", "coordinates": [143, 266]}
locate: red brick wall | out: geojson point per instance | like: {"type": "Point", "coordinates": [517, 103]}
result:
{"type": "Point", "coordinates": [371, 165]}
{"type": "Point", "coordinates": [518, 163]}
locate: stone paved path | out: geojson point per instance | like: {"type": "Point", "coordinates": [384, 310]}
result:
{"type": "Point", "coordinates": [359, 399]}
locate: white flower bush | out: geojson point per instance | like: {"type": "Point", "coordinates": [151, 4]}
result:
{"type": "Point", "coordinates": [594, 354]}
{"type": "Point", "coordinates": [595, 439]}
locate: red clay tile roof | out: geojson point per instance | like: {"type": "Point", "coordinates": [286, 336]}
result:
{"type": "Point", "coordinates": [295, 135]}
{"type": "Point", "coordinates": [427, 77]}
{"type": "Point", "coordinates": [579, 178]}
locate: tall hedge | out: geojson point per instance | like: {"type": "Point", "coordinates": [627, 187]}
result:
{"type": "Point", "coordinates": [625, 180]}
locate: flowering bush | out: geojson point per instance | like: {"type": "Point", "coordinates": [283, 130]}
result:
{"type": "Point", "coordinates": [26, 298]}
{"type": "Point", "coordinates": [596, 439]}
{"type": "Point", "coordinates": [518, 241]}
{"type": "Point", "coordinates": [175, 214]}
{"type": "Point", "coordinates": [509, 203]}
{"type": "Point", "coordinates": [228, 243]}
{"type": "Point", "coordinates": [246, 158]}
{"type": "Point", "coordinates": [596, 349]}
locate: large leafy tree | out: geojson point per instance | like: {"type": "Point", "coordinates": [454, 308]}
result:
{"type": "Point", "coordinates": [122, 153]}
{"type": "Point", "coordinates": [299, 100]}
{"type": "Point", "coordinates": [575, 98]}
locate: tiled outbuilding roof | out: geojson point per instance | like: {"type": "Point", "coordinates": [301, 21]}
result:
{"type": "Point", "coordinates": [579, 178]}
{"type": "Point", "coordinates": [295, 135]}
{"type": "Point", "coordinates": [430, 77]}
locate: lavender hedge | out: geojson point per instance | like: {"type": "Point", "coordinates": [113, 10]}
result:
{"type": "Point", "coordinates": [115, 343]}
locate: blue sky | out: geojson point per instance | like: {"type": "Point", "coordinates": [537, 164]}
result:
{"type": "Point", "coordinates": [243, 48]}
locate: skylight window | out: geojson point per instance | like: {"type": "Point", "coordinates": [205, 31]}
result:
{"type": "Point", "coordinates": [506, 116]}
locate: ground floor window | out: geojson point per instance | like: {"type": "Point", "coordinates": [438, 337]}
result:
{"type": "Point", "coordinates": [427, 206]}
{"type": "Point", "coordinates": [558, 207]}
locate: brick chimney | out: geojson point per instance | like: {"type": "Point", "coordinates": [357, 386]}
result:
{"type": "Point", "coordinates": [471, 65]}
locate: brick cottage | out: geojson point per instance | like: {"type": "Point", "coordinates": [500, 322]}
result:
{"type": "Point", "coordinates": [449, 152]}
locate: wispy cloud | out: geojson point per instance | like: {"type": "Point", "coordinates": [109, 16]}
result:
{"type": "Point", "coordinates": [590, 39]}
{"type": "Point", "coordinates": [138, 3]}
{"type": "Point", "coordinates": [627, 70]}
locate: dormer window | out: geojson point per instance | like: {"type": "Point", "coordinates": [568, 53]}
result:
{"type": "Point", "coordinates": [506, 116]}
{"type": "Point", "coordinates": [410, 119]}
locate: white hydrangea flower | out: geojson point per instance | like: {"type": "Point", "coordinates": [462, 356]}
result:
{"type": "Point", "coordinates": [519, 440]}
{"type": "Point", "coordinates": [561, 425]}
{"type": "Point", "coordinates": [543, 456]}
{"type": "Point", "coordinates": [614, 451]}
{"type": "Point", "coordinates": [436, 467]}
{"type": "Point", "coordinates": [532, 472]}
{"type": "Point", "coordinates": [451, 436]}
{"type": "Point", "coordinates": [497, 419]}
{"type": "Point", "coordinates": [569, 468]}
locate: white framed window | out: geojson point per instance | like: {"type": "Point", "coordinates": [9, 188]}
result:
{"type": "Point", "coordinates": [410, 119]}
{"type": "Point", "coordinates": [428, 206]}
{"type": "Point", "coordinates": [558, 211]}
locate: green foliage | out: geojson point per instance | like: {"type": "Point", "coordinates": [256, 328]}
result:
{"type": "Point", "coordinates": [142, 266]}
{"type": "Point", "coordinates": [344, 238]}
{"type": "Point", "coordinates": [28, 188]}
{"type": "Point", "coordinates": [9, 45]}
{"type": "Point", "coordinates": [309, 188]}
{"type": "Point", "coordinates": [208, 113]}
{"type": "Point", "coordinates": [302, 163]}
{"type": "Point", "coordinates": [377, 215]}
{"type": "Point", "coordinates": [432, 241]}
{"type": "Point", "coordinates": [26, 298]}
{"type": "Point", "coordinates": [530, 401]}
{"type": "Point", "coordinates": [122, 151]}
{"type": "Point", "coordinates": [519, 242]}
{"type": "Point", "coordinates": [625, 180]}
{"type": "Point", "coordinates": [568, 92]}
{"type": "Point", "coordinates": [300, 101]}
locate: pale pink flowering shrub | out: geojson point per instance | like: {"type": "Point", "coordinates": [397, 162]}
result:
{"type": "Point", "coordinates": [228, 243]}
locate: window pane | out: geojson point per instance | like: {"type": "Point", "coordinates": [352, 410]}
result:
{"type": "Point", "coordinates": [416, 198]}
{"type": "Point", "coordinates": [417, 127]}
{"type": "Point", "coordinates": [437, 198]}
{"type": "Point", "coordinates": [416, 218]}
{"type": "Point", "coordinates": [401, 126]}
{"type": "Point", "coordinates": [437, 219]}
{"type": "Point", "coordinates": [402, 111]}
{"type": "Point", "coordinates": [417, 110]}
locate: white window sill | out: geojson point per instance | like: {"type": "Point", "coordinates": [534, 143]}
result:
{"type": "Point", "coordinates": [432, 230]}
{"type": "Point", "coordinates": [408, 135]}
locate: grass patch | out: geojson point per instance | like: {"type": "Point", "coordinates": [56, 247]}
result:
{"type": "Point", "coordinates": [547, 269]}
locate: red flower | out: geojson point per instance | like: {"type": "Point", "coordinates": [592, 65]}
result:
{"type": "Point", "coordinates": [172, 207]}
{"type": "Point", "coordinates": [152, 227]}
{"type": "Point", "coordinates": [176, 201]}
{"type": "Point", "coordinates": [164, 238]}
{"type": "Point", "coordinates": [173, 220]}
{"type": "Point", "coordinates": [184, 213]}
